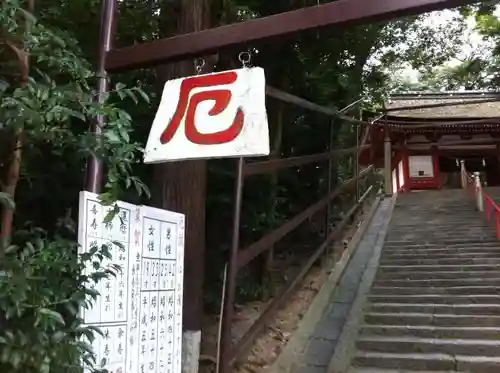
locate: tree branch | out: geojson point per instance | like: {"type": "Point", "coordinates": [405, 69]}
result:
{"type": "Point", "coordinates": [14, 167]}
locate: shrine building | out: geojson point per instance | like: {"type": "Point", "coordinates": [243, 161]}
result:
{"type": "Point", "coordinates": [421, 138]}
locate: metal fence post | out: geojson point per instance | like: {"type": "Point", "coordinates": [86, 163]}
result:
{"type": "Point", "coordinates": [479, 192]}
{"type": "Point", "coordinates": [226, 342]}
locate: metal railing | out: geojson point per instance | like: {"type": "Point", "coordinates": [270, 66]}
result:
{"type": "Point", "coordinates": [240, 257]}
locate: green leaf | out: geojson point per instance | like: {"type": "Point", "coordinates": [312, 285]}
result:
{"type": "Point", "coordinates": [112, 136]}
{"type": "Point", "coordinates": [11, 249]}
{"type": "Point", "coordinates": [143, 94]}
{"type": "Point", "coordinates": [45, 367]}
{"type": "Point", "coordinates": [7, 201]}
{"type": "Point", "coordinates": [56, 316]}
{"type": "Point", "coordinates": [3, 85]}
{"type": "Point", "coordinates": [15, 358]}
{"type": "Point", "coordinates": [119, 86]}
{"type": "Point", "coordinates": [58, 336]}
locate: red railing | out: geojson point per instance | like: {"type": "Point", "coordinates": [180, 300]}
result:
{"type": "Point", "coordinates": [482, 199]}
{"type": "Point", "coordinates": [491, 207]}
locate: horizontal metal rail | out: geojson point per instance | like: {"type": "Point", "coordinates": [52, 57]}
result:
{"type": "Point", "coordinates": [246, 255]}
{"type": "Point", "coordinates": [335, 14]}
{"type": "Point", "coordinates": [239, 258]}
{"type": "Point", "coordinates": [245, 342]}
{"type": "Point", "coordinates": [257, 168]}
{"type": "Point", "coordinates": [305, 104]}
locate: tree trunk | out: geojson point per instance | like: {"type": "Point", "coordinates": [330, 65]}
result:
{"type": "Point", "coordinates": [14, 162]}
{"type": "Point", "coordinates": [181, 186]}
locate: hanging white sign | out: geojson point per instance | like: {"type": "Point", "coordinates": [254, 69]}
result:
{"type": "Point", "coordinates": [140, 310]}
{"type": "Point", "coordinates": [211, 116]}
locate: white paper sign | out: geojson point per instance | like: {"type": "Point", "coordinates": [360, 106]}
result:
{"type": "Point", "coordinates": [421, 166]}
{"type": "Point", "coordinates": [139, 311]}
{"type": "Point", "coordinates": [211, 116]}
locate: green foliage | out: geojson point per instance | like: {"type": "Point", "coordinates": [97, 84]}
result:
{"type": "Point", "coordinates": [475, 62]}
{"type": "Point", "coordinates": [43, 289]}
{"type": "Point", "coordinates": [44, 126]}
{"type": "Point", "coordinates": [58, 101]}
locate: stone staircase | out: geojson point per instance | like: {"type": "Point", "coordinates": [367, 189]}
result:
{"type": "Point", "coordinates": [434, 305]}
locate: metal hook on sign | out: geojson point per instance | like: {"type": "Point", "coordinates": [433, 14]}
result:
{"type": "Point", "coordinates": [199, 63]}
{"type": "Point", "coordinates": [245, 58]}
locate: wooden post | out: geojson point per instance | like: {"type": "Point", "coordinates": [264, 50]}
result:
{"type": "Point", "coordinates": [479, 192]}
{"type": "Point", "coordinates": [387, 162]}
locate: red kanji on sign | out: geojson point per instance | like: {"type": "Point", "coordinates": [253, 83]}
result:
{"type": "Point", "coordinates": [211, 116]}
{"type": "Point", "coordinates": [186, 109]}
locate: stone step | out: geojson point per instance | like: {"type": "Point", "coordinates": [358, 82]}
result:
{"type": "Point", "coordinates": [478, 364]}
{"type": "Point", "coordinates": [436, 298]}
{"type": "Point", "coordinates": [444, 221]}
{"type": "Point", "coordinates": [449, 233]}
{"type": "Point", "coordinates": [449, 225]}
{"type": "Point", "coordinates": [463, 261]}
{"type": "Point", "coordinates": [431, 245]}
{"type": "Point", "coordinates": [441, 254]}
{"type": "Point", "coordinates": [424, 240]}
{"type": "Point", "coordinates": [431, 319]}
{"type": "Point", "coordinates": [375, 370]}
{"type": "Point", "coordinates": [434, 305]}
{"type": "Point", "coordinates": [409, 345]}
{"type": "Point", "coordinates": [438, 217]}
{"type": "Point", "coordinates": [455, 234]}
{"type": "Point", "coordinates": [437, 275]}
{"type": "Point", "coordinates": [432, 282]}
{"type": "Point", "coordinates": [421, 290]}
{"type": "Point", "coordinates": [425, 331]}
{"type": "Point", "coordinates": [458, 309]}
{"type": "Point", "coordinates": [431, 362]}
{"type": "Point", "coordinates": [434, 362]}
{"type": "Point", "coordinates": [458, 233]}
{"type": "Point", "coordinates": [437, 267]}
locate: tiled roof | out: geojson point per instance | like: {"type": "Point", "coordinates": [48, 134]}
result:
{"type": "Point", "coordinates": [470, 104]}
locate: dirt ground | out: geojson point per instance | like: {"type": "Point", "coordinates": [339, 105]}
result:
{"type": "Point", "coordinates": [272, 341]}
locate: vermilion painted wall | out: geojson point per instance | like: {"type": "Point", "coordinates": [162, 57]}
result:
{"type": "Point", "coordinates": [405, 183]}
{"type": "Point", "coordinates": [420, 183]}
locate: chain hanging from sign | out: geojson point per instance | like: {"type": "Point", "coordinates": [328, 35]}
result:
{"type": "Point", "coordinates": [215, 115]}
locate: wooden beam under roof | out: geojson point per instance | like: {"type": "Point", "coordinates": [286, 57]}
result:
{"type": "Point", "coordinates": [338, 13]}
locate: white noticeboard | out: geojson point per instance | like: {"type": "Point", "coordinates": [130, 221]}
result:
{"type": "Point", "coordinates": [211, 116]}
{"type": "Point", "coordinates": [139, 310]}
{"type": "Point", "coordinates": [421, 166]}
